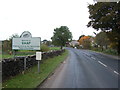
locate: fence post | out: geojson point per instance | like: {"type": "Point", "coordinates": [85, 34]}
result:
{"type": "Point", "coordinates": [25, 63]}
{"type": "Point", "coordinates": [14, 54]}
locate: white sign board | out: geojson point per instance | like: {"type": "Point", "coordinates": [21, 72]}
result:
{"type": "Point", "coordinates": [26, 43]}
{"type": "Point", "coordinates": [38, 55]}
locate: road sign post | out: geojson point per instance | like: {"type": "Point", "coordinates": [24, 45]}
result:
{"type": "Point", "coordinates": [38, 66]}
{"type": "Point", "coordinates": [38, 57]}
{"type": "Point", "coordinates": [26, 42]}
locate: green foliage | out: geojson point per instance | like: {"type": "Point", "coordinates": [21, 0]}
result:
{"type": "Point", "coordinates": [61, 36]}
{"type": "Point", "coordinates": [111, 51]}
{"type": "Point", "coordinates": [105, 16]}
{"type": "Point", "coordinates": [44, 48]}
{"type": "Point", "coordinates": [54, 48]}
{"type": "Point", "coordinates": [7, 44]}
{"type": "Point", "coordinates": [87, 44]}
{"type": "Point", "coordinates": [102, 39]}
{"type": "Point", "coordinates": [107, 51]}
{"type": "Point", "coordinates": [18, 53]}
{"type": "Point", "coordinates": [14, 36]}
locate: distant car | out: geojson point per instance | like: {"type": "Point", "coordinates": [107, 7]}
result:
{"type": "Point", "coordinates": [75, 47]}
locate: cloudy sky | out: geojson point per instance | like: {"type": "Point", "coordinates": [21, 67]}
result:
{"type": "Point", "coordinates": [41, 17]}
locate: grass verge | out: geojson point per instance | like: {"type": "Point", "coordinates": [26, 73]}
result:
{"type": "Point", "coordinates": [27, 52]}
{"type": "Point", "coordinates": [54, 48]}
{"type": "Point", "coordinates": [31, 79]}
{"type": "Point", "coordinates": [107, 51]}
{"type": "Point", "coordinates": [18, 53]}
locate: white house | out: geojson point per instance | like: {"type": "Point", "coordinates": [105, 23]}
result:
{"type": "Point", "coordinates": [74, 43]}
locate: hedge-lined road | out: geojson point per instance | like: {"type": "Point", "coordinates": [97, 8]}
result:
{"type": "Point", "coordinates": [85, 69]}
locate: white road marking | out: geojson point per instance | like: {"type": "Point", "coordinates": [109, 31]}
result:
{"type": "Point", "coordinates": [102, 63]}
{"type": "Point", "coordinates": [93, 58]}
{"type": "Point", "coordinates": [87, 54]}
{"type": "Point", "coordinates": [116, 72]}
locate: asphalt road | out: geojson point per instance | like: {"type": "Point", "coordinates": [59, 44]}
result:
{"type": "Point", "coordinates": [85, 69]}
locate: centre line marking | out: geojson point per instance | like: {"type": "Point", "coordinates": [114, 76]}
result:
{"type": "Point", "coordinates": [102, 63]}
{"type": "Point", "coordinates": [93, 58]}
{"type": "Point", "coordinates": [116, 72]}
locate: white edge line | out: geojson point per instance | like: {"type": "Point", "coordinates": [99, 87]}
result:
{"type": "Point", "coordinates": [116, 72]}
{"type": "Point", "coordinates": [102, 64]}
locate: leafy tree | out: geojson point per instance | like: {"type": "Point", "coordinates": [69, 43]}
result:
{"type": "Point", "coordinates": [81, 37]}
{"type": "Point", "coordinates": [7, 44]}
{"type": "Point", "coordinates": [44, 48]}
{"type": "Point", "coordinates": [61, 36]}
{"type": "Point", "coordinates": [102, 40]}
{"type": "Point", "coordinates": [14, 36]}
{"type": "Point", "coordinates": [105, 16]}
{"type": "Point", "coordinates": [85, 42]}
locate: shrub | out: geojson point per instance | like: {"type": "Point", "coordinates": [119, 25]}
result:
{"type": "Point", "coordinates": [44, 48]}
{"type": "Point", "coordinates": [111, 51]}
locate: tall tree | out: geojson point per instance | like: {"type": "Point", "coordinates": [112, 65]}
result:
{"type": "Point", "coordinates": [61, 36]}
{"type": "Point", "coordinates": [105, 16]}
{"type": "Point", "coordinates": [102, 40]}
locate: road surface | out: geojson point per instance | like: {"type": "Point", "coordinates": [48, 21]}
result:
{"type": "Point", "coordinates": [85, 69]}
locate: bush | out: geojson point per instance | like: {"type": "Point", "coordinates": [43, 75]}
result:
{"type": "Point", "coordinates": [44, 48]}
{"type": "Point", "coordinates": [107, 51]}
{"type": "Point", "coordinates": [111, 51]}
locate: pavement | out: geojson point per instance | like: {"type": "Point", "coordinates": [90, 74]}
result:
{"type": "Point", "coordinates": [85, 69]}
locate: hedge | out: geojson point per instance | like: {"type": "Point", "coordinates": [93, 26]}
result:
{"type": "Point", "coordinates": [12, 67]}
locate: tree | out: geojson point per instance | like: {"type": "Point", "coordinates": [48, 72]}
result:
{"type": "Point", "coordinates": [105, 16]}
{"type": "Point", "coordinates": [61, 36]}
{"type": "Point", "coordinates": [7, 44]}
{"type": "Point", "coordinates": [102, 40]}
{"type": "Point", "coordinates": [14, 36]}
{"type": "Point", "coordinates": [81, 37]}
{"type": "Point", "coordinates": [85, 42]}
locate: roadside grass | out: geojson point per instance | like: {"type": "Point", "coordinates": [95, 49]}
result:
{"type": "Point", "coordinates": [0, 56]}
{"type": "Point", "coordinates": [18, 53]}
{"type": "Point", "coordinates": [24, 53]}
{"type": "Point", "coordinates": [106, 51]}
{"type": "Point", "coordinates": [54, 48]}
{"type": "Point", "coordinates": [5, 56]}
{"type": "Point", "coordinates": [31, 78]}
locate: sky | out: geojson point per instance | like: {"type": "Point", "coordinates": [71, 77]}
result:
{"type": "Point", "coordinates": [41, 17]}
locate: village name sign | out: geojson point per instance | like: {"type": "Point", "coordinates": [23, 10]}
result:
{"type": "Point", "coordinates": [26, 42]}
